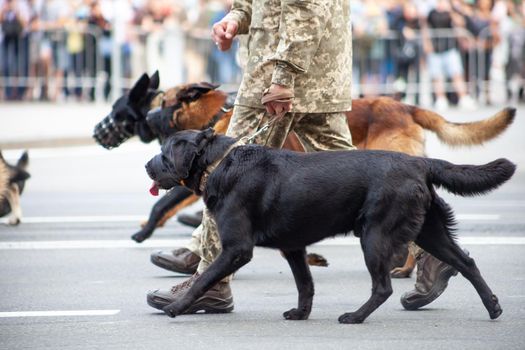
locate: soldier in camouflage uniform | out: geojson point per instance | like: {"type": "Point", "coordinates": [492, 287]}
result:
{"type": "Point", "coordinates": [300, 48]}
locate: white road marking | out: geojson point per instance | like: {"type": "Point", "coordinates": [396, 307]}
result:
{"type": "Point", "coordinates": [472, 240]}
{"type": "Point", "coordinates": [170, 243]}
{"type": "Point", "coordinates": [91, 244]}
{"type": "Point", "coordinates": [80, 219]}
{"type": "Point", "coordinates": [478, 217]}
{"type": "Point", "coordinates": [139, 218]}
{"type": "Point", "coordinates": [131, 147]}
{"type": "Point", "coordinates": [58, 313]}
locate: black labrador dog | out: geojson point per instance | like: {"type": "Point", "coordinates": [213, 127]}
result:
{"type": "Point", "coordinates": [287, 200]}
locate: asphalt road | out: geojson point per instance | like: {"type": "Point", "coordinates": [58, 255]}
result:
{"type": "Point", "coordinates": [71, 277]}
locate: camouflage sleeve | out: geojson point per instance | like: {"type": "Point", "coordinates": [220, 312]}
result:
{"type": "Point", "coordinates": [241, 12]}
{"type": "Point", "coordinates": [301, 28]}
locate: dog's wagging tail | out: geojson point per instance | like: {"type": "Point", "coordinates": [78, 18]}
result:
{"type": "Point", "coordinates": [287, 200]}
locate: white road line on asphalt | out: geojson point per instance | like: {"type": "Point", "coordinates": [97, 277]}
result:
{"type": "Point", "coordinates": [170, 243]}
{"type": "Point", "coordinates": [472, 240]}
{"type": "Point", "coordinates": [80, 219]}
{"type": "Point", "coordinates": [91, 244]}
{"type": "Point", "coordinates": [84, 151]}
{"type": "Point", "coordinates": [478, 217]}
{"type": "Point", "coordinates": [58, 313]}
{"type": "Point", "coordinates": [137, 218]}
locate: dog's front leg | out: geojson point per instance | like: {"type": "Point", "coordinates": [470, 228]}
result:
{"type": "Point", "coordinates": [305, 285]}
{"type": "Point", "coordinates": [237, 250]}
{"type": "Point", "coordinates": [13, 198]}
{"type": "Point", "coordinates": [161, 207]}
{"type": "Point", "coordinates": [227, 263]}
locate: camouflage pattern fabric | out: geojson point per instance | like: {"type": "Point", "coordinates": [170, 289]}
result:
{"type": "Point", "coordinates": [302, 44]}
{"type": "Point", "coordinates": [415, 250]}
{"type": "Point", "coordinates": [316, 132]}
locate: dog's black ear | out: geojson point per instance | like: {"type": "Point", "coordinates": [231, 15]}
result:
{"type": "Point", "coordinates": [195, 91]}
{"type": "Point", "coordinates": [205, 86]}
{"type": "Point", "coordinates": [138, 91]}
{"type": "Point", "coordinates": [183, 159]}
{"type": "Point", "coordinates": [2, 157]}
{"type": "Point", "coordinates": [154, 81]}
{"type": "Point", "coordinates": [23, 161]}
{"type": "Point", "coordinates": [203, 138]}
{"type": "Point", "coordinates": [20, 175]}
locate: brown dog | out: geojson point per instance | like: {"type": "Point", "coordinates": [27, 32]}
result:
{"type": "Point", "coordinates": [375, 123]}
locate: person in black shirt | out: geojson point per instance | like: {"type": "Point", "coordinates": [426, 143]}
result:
{"type": "Point", "coordinates": [444, 60]}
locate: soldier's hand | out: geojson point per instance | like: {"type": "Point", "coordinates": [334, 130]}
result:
{"type": "Point", "coordinates": [278, 100]}
{"type": "Point", "coordinates": [223, 32]}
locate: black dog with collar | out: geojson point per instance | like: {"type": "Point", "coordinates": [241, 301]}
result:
{"type": "Point", "coordinates": [287, 200]}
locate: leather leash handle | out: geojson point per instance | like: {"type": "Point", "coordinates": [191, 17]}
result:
{"type": "Point", "coordinates": [277, 97]}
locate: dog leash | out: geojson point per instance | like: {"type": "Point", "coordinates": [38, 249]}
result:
{"type": "Point", "coordinates": [269, 97]}
{"type": "Point", "coordinates": [250, 138]}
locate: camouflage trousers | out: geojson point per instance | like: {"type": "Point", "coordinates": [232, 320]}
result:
{"type": "Point", "coordinates": [315, 131]}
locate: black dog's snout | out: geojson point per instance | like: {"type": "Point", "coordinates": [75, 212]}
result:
{"type": "Point", "coordinates": [149, 169]}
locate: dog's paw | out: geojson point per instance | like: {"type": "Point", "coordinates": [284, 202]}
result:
{"type": "Point", "coordinates": [171, 310]}
{"type": "Point", "coordinates": [350, 318]}
{"type": "Point", "coordinates": [138, 237]}
{"type": "Point", "coordinates": [496, 310]}
{"type": "Point", "coordinates": [316, 260]}
{"type": "Point", "coordinates": [14, 222]}
{"type": "Point", "coordinates": [296, 314]}
{"type": "Point", "coordinates": [400, 272]}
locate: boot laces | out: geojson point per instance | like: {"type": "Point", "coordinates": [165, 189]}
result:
{"type": "Point", "coordinates": [184, 285]}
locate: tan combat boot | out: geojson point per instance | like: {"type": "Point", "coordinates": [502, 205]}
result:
{"type": "Point", "coordinates": [218, 299]}
{"type": "Point", "coordinates": [432, 280]}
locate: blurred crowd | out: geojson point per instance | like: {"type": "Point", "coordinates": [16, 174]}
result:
{"type": "Point", "coordinates": [64, 49]}
{"type": "Point", "coordinates": [461, 44]}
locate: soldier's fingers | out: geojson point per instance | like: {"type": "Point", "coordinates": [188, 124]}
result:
{"type": "Point", "coordinates": [218, 31]}
{"type": "Point", "coordinates": [231, 29]}
{"type": "Point", "coordinates": [270, 109]}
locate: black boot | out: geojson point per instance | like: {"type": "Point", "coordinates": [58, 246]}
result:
{"type": "Point", "coordinates": [192, 220]}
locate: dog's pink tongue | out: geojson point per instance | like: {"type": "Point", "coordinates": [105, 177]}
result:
{"type": "Point", "coordinates": [154, 189]}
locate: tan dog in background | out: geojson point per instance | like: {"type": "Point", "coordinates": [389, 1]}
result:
{"type": "Point", "coordinates": [12, 183]}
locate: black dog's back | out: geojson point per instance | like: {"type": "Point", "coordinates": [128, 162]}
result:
{"type": "Point", "coordinates": [308, 197]}
{"type": "Point", "coordinates": [311, 196]}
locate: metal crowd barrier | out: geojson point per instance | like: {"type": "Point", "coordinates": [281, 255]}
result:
{"type": "Point", "coordinates": [74, 56]}
{"type": "Point", "coordinates": [178, 55]}
{"type": "Point", "coordinates": [377, 71]}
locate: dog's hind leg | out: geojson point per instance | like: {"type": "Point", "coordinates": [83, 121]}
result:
{"type": "Point", "coordinates": [435, 238]}
{"type": "Point", "coordinates": [305, 285]}
{"type": "Point", "coordinates": [377, 253]}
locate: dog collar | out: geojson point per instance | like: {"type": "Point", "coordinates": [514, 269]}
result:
{"type": "Point", "coordinates": [215, 164]}
{"type": "Point", "coordinates": [226, 108]}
